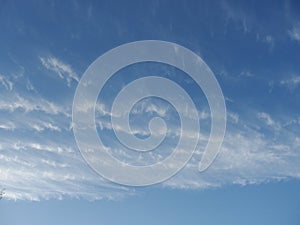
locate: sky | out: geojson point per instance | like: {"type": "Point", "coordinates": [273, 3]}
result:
{"type": "Point", "coordinates": [253, 49]}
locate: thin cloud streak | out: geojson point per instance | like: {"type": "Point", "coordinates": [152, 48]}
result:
{"type": "Point", "coordinates": [63, 70]}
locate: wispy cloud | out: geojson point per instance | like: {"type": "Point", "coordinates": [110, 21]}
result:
{"type": "Point", "coordinates": [234, 117]}
{"type": "Point", "coordinates": [291, 82]}
{"type": "Point", "coordinates": [7, 125]}
{"type": "Point", "coordinates": [15, 102]}
{"type": "Point", "coordinates": [46, 163]}
{"type": "Point", "coordinates": [39, 158]}
{"type": "Point", "coordinates": [269, 120]}
{"type": "Point", "coordinates": [41, 169]}
{"type": "Point", "coordinates": [38, 155]}
{"type": "Point", "coordinates": [235, 14]}
{"type": "Point", "coordinates": [246, 73]}
{"type": "Point", "coordinates": [151, 108]}
{"type": "Point", "coordinates": [247, 156]}
{"type": "Point", "coordinates": [5, 82]}
{"type": "Point", "coordinates": [41, 126]}
{"type": "Point", "coordinates": [46, 169]}
{"type": "Point", "coordinates": [294, 33]}
{"type": "Point", "coordinates": [63, 70]}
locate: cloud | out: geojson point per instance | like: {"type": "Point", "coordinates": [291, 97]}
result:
{"type": "Point", "coordinates": [234, 117]}
{"type": "Point", "coordinates": [7, 125]}
{"type": "Point", "coordinates": [246, 73]}
{"type": "Point", "coordinates": [294, 33]}
{"type": "Point", "coordinates": [15, 102]}
{"type": "Point", "coordinates": [268, 120]}
{"type": "Point", "coordinates": [63, 70]}
{"type": "Point", "coordinates": [41, 126]}
{"type": "Point", "coordinates": [291, 82]}
{"type": "Point", "coordinates": [148, 107]}
{"type": "Point", "coordinates": [39, 158]}
{"type": "Point", "coordinates": [6, 82]}
{"type": "Point", "coordinates": [237, 15]}
{"type": "Point", "coordinates": [46, 168]}
{"type": "Point", "coordinates": [247, 156]}
{"type": "Point", "coordinates": [38, 155]}
{"type": "Point", "coordinates": [269, 39]}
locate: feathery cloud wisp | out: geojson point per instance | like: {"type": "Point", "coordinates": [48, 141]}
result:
{"type": "Point", "coordinates": [294, 33]}
{"type": "Point", "coordinates": [63, 70]}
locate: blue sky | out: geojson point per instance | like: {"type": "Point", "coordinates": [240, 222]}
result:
{"type": "Point", "coordinates": [251, 46]}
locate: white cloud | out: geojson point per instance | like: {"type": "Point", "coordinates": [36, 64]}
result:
{"type": "Point", "coordinates": [235, 14]}
{"type": "Point", "coordinates": [35, 167]}
{"type": "Point", "coordinates": [294, 33]}
{"type": "Point", "coordinates": [269, 39]}
{"type": "Point", "coordinates": [29, 86]}
{"type": "Point", "coordinates": [234, 117]}
{"type": "Point", "coordinates": [6, 82]}
{"type": "Point", "coordinates": [38, 165]}
{"type": "Point", "coordinates": [291, 82]}
{"type": "Point", "coordinates": [43, 170]}
{"type": "Point", "coordinates": [268, 120]}
{"type": "Point", "coordinates": [246, 157]}
{"type": "Point", "coordinates": [7, 126]}
{"type": "Point", "coordinates": [23, 119]}
{"type": "Point", "coordinates": [148, 107]}
{"type": "Point", "coordinates": [246, 73]}
{"type": "Point", "coordinates": [41, 126]}
{"type": "Point", "coordinates": [31, 103]}
{"type": "Point", "coordinates": [101, 108]}
{"type": "Point", "coordinates": [54, 169]}
{"type": "Point", "coordinates": [63, 70]}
